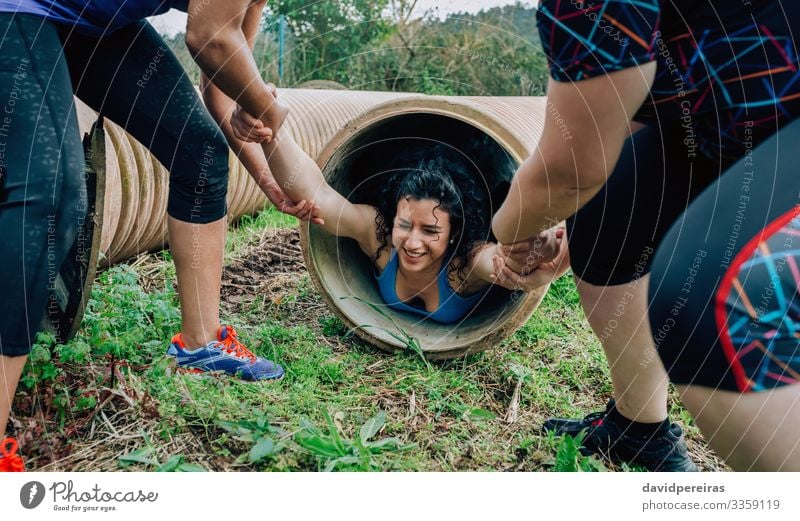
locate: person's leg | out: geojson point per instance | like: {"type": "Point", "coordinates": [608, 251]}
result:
{"type": "Point", "coordinates": [197, 250]}
{"type": "Point", "coordinates": [10, 371]}
{"type": "Point", "coordinates": [726, 309]}
{"type": "Point", "coordinates": [41, 162]}
{"type": "Point", "coordinates": [618, 316]}
{"type": "Point", "coordinates": [612, 241]}
{"type": "Point", "coordinates": [131, 77]}
{"type": "Point", "coordinates": [755, 431]}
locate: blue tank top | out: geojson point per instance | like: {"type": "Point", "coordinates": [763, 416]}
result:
{"type": "Point", "coordinates": [452, 306]}
{"type": "Point", "coordinates": [93, 17]}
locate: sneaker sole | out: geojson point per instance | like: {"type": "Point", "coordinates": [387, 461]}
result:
{"type": "Point", "coordinates": [173, 369]}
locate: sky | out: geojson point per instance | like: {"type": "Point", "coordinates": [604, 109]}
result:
{"type": "Point", "coordinates": [174, 21]}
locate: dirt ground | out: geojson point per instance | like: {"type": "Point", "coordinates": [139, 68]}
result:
{"type": "Point", "coordinates": [267, 269]}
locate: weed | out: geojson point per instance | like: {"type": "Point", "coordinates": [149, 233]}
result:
{"type": "Point", "coordinates": [332, 326]}
{"type": "Point", "coordinates": [335, 452]}
{"type": "Point", "coordinates": [40, 368]}
{"type": "Point", "coordinates": [257, 432]}
{"type": "Point", "coordinates": [570, 459]}
{"type": "Point", "coordinates": [147, 456]}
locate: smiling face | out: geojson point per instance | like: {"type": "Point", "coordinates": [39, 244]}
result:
{"type": "Point", "coordinates": [420, 234]}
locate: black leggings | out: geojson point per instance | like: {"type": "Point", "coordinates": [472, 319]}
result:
{"type": "Point", "coordinates": [718, 93]}
{"type": "Point", "coordinates": [130, 77]}
{"type": "Point", "coordinates": [724, 310]}
{"type": "Point", "coordinates": [721, 245]}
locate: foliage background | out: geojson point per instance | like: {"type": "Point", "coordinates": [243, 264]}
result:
{"type": "Point", "coordinates": [379, 45]}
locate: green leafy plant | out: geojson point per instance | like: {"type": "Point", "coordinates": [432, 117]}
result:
{"type": "Point", "coordinates": [40, 367]}
{"type": "Point", "coordinates": [147, 456]}
{"type": "Point", "coordinates": [570, 459]}
{"type": "Point", "coordinates": [121, 318]}
{"type": "Point", "coordinates": [336, 452]}
{"type": "Point", "coordinates": [477, 414]}
{"type": "Point", "coordinates": [259, 433]}
{"type": "Point", "coordinates": [332, 326]}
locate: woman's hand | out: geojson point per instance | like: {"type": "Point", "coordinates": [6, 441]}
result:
{"type": "Point", "coordinates": [303, 210]}
{"type": "Point", "coordinates": [525, 256]}
{"type": "Point", "coordinates": [247, 127]}
{"type": "Point", "coordinates": [551, 259]}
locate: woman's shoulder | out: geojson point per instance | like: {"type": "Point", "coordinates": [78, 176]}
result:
{"type": "Point", "coordinates": [459, 281]}
{"type": "Point", "coordinates": [366, 228]}
{"type": "Point", "coordinates": [377, 242]}
{"type": "Point", "coordinates": [380, 259]}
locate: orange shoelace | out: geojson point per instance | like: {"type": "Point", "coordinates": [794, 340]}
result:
{"type": "Point", "coordinates": [232, 345]}
{"type": "Point", "coordinates": [10, 461]}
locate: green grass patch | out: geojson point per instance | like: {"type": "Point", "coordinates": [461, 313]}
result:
{"type": "Point", "coordinates": [343, 405]}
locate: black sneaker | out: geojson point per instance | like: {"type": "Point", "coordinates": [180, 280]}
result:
{"type": "Point", "coordinates": [664, 451]}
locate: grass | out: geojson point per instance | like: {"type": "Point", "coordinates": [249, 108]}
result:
{"type": "Point", "coordinates": [106, 401]}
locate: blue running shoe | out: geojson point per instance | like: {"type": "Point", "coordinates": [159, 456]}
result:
{"type": "Point", "coordinates": [225, 355]}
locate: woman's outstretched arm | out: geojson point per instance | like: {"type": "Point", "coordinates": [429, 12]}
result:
{"type": "Point", "coordinates": [301, 179]}
{"type": "Point", "coordinates": [251, 155]}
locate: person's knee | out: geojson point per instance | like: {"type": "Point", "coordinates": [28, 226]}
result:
{"type": "Point", "coordinates": [199, 181]}
{"type": "Point", "coordinates": [601, 269]}
{"type": "Point", "coordinates": [590, 294]}
{"type": "Point", "coordinates": [13, 353]}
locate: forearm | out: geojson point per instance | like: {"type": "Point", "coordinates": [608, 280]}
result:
{"type": "Point", "coordinates": [480, 268]}
{"type": "Point", "coordinates": [294, 171]}
{"type": "Point", "coordinates": [226, 59]}
{"type": "Point", "coordinates": [250, 154]}
{"type": "Point", "coordinates": [539, 199]}
{"type": "Point", "coordinates": [301, 179]}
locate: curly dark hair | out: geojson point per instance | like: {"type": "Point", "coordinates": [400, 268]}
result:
{"type": "Point", "coordinates": [446, 176]}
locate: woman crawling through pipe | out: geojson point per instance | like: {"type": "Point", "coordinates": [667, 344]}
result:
{"type": "Point", "coordinates": [427, 233]}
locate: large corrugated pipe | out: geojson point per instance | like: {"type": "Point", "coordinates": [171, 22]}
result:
{"type": "Point", "coordinates": [497, 134]}
{"type": "Point", "coordinates": [353, 135]}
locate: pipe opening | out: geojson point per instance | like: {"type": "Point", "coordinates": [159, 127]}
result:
{"type": "Point", "coordinates": [357, 169]}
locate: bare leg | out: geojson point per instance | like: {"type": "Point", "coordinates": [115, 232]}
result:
{"type": "Point", "coordinates": [10, 371]}
{"type": "Point", "coordinates": [198, 250]}
{"type": "Point", "coordinates": [753, 431]}
{"type": "Point", "coordinates": [618, 316]}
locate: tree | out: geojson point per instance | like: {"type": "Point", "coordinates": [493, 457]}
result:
{"type": "Point", "coordinates": [389, 45]}
{"type": "Point", "coordinates": [492, 53]}
{"type": "Point", "coordinates": [327, 35]}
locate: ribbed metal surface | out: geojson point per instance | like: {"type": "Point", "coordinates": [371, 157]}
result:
{"type": "Point", "coordinates": [521, 117]}
{"type": "Point", "coordinates": [316, 115]}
